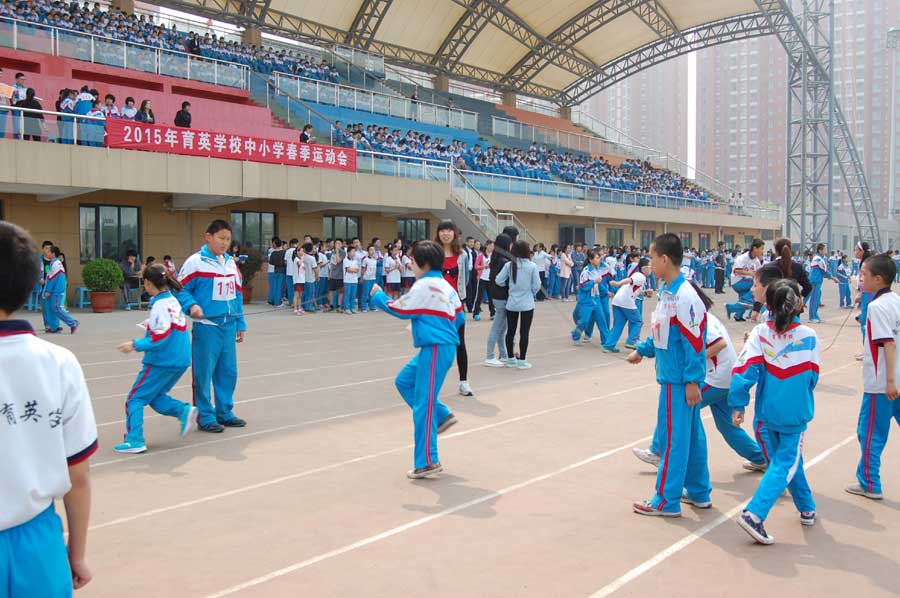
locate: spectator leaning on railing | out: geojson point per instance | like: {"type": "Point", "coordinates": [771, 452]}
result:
{"type": "Point", "coordinates": [32, 120]}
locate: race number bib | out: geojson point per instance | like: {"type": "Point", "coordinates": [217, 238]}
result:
{"type": "Point", "coordinates": [660, 321]}
{"type": "Point", "coordinates": [224, 288]}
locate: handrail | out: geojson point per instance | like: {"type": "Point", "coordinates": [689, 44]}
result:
{"type": "Point", "coordinates": [160, 54]}
{"type": "Point", "coordinates": [364, 63]}
{"type": "Point", "coordinates": [309, 109]}
{"type": "Point", "coordinates": [379, 103]}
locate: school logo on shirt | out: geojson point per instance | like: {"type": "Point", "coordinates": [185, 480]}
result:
{"type": "Point", "coordinates": [693, 323]}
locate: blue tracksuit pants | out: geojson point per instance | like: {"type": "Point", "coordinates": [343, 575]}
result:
{"type": "Point", "coordinates": [54, 311]}
{"type": "Point", "coordinates": [151, 388]}
{"type": "Point", "coordinates": [622, 316]}
{"type": "Point", "coordinates": [745, 298]}
{"type": "Point", "coordinates": [271, 298]}
{"type": "Point", "coordinates": [277, 292]}
{"type": "Point", "coordinates": [844, 291]}
{"type": "Point", "coordinates": [682, 446]}
{"type": "Point", "coordinates": [419, 383]}
{"type": "Point", "coordinates": [214, 356]}
{"type": "Point", "coordinates": [874, 424]}
{"type": "Point", "coordinates": [367, 288]}
{"type": "Point", "coordinates": [350, 295]}
{"type": "Point", "coordinates": [595, 312]}
{"type": "Point", "coordinates": [785, 471]}
{"type": "Point", "coordinates": [308, 296]}
{"type": "Point", "coordinates": [815, 299]}
{"type": "Point", "coordinates": [33, 558]}
{"type": "Point", "coordinates": [741, 442]}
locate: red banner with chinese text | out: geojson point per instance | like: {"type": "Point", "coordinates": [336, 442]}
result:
{"type": "Point", "coordinates": [126, 134]}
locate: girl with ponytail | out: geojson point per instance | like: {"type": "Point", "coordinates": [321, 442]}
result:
{"type": "Point", "coordinates": [862, 252]}
{"type": "Point", "coordinates": [167, 354]}
{"type": "Point", "coordinates": [781, 358]}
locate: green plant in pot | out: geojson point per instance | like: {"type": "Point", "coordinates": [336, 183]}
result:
{"type": "Point", "coordinates": [103, 278]}
{"type": "Point", "coordinates": [250, 262]}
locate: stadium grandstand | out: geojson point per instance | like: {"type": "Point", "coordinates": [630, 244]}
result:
{"type": "Point", "coordinates": [339, 121]}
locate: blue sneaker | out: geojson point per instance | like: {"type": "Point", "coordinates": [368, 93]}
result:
{"type": "Point", "coordinates": [188, 421]}
{"type": "Point", "coordinates": [130, 447]}
{"type": "Point", "coordinates": [576, 337]}
{"type": "Point", "coordinates": [477, 317]}
{"type": "Point", "coordinates": [756, 530]}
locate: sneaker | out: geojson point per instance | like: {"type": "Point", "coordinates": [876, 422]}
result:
{"type": "Point", "coordinates": [494, 363]}
{"type": "Point", "coordinates": [130, 447]}
{"type": "Point", "coordinates": [574, 334]}
{"type": "Point", "coordinates": [630, 346]}
{"type": "Point", "coordinates": [815, 321]}
{"type": "Point", "coordinates": [858, 357]}
{"type": "Point", "coordinates": [728, 312]}
{"type": "Point", "coordinates": [737, 319]}
{"type": "Point", "coordinates": [492, 318]}
{"type": "Point", "coordinates": [476, 317]}
{"type": "Point", "coordinates": [646, 455]}
{"type": "Point", "coordinates": [756, 530]}
{"type": "Point", "coordinates": [234, 422]}
{"type": "Point", "coordinates": [424, 472]}
{"type": "Point", "coordinates": [646, 508]}
{"type": "Point", "coordinates": [365, 311]}
{"type": "Point", "coordinates": [751, 466]}
{"type": "Point", "coordinates": [188, 421]}
{"type": "Point", "coordinates": [523, 365]}
{"type": "Point", "coordinates": [585, 339]}
{"type": "Point", "coordinates": [860, 491]}
{"type": "Point", "coordinates": [808, 518]}
{"type": "Point", "coordinates": [73, 328]}
{"type": "Point", "coordinates": [448, 422]}
{"type": "Point", "coordinates": [609, 349]}
{"type": "Point", "coordinates": [700, 504]}
{"type": "Point", "coordinates": [511, 362]}
{"type": "Point", "coordinates": [465, 390]}
{"type": "Point", "coordinates": [214, 428]}
{"type": "Point", "coordinates": [340, 310]}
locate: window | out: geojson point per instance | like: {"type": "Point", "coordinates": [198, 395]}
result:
{"type": "Point", "coordinates": [703, 241]}
{"type": "Point", "coordinates": [647, 237]}
{"type": "Point", "coordinates": [729, 241]}
{"type": "Point", "coordinates": [108, 231]}
{"type": "Point", "coordinates": [614, 237]}
{"type": "Point", "coordinates": [340, 227]}
{"type": "Point", "coordinates": [748, 241]}
{"type": "Point", "coordinates": [685, 240]}
{"type": "Point", "coordinates": [254, 229]}
{"type": "Point", "coordinates": [412, 229]}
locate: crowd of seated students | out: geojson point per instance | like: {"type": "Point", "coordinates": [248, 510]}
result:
{"type": "Point", "coordinates": [141, 29]}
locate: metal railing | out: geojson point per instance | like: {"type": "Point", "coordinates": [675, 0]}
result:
{"type": "Point", "coordinates": [323, 92]}
{"type": "Point", "coordinates": [68, 129]}
{"type": "Point", "coordinates": [586, 144]}
{"type": "Point", "coordinates": [360, 58]}
{"type": "Point", "coordinates": [34, 37]}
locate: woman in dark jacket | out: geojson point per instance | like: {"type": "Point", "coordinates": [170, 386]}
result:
{"type": "Point", "coordinates": [790, 268]}
{"type": "Point", "coordinates": [145, 114]}
{"type": "Point", "coordinates": [33, 120]}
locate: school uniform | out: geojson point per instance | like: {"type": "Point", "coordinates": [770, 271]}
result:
{"type": "Point", "coordinates": [715, 394]}
{"type": "Point", "coordinates": [407, 277]}
{"type": "Point", "coordinates": [351, 279]}
{"type": "Point", "coordinates": [167, 354]}
{"type": "Point", "coordinates": [46, 426]}
{"type": "Point", "coordinates": [290, 272]}
{"type": "Point", "coordinates": [369, 272]}
{"type": "Point", "coordinates": [309, 287]}
{"type": "Point", "coordinates": [742, 283]}
{"type": "Point", "coordinates": [785, 369]}
{"type": "Point", "coordinates": [322, 280]}
{"type": "Point", "coordinates": [436, 312]}
{"type": "Point", "coordinates": [270, 270]}
{"type": "Point", "coordinates": [818, 272]}
{"type": "Point", "coordinates": [843, 275]}
{"type": "Point", "coordinates": [55, 298]}
{"type": "Point", "coordinates": [678, 342]}
{"type": "Point", "coordinates": [624, 307]}
{"type": "Point", "coordinates": [299, 273]}
{"type": "Point", "coordinates": [593, 303]}
{"type": "Point", "coordinates": [392, 268]}
{"type": "Point", "coordinates": [215, 285]}
{"type": "Point", "coordinates": [876, 413]}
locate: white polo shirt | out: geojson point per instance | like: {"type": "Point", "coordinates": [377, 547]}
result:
{"type": "Point", "coordinates": [46, 422]}
{"type": "Point", "coordinates": [718, 367]}
{"type": "Point", "coordinates": [626, 295]}
{"type": "Point", "coordinates": [882, 326]}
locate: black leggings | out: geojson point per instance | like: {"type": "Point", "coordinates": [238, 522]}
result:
{"type": "Point", "coordinates": [462, 356]}
{"type": "Point", "coordinates": [479, 293]}
{"type": "Point", "coordinates": [512, 319]}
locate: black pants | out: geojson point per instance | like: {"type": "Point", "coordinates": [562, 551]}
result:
{"type": "Point", "coordinates": [512, 320]}
{"type": "Point", "coordinates": [462, 356]}
{"type": "Point", "coordinates": [541, 295]}
{"type": "Point", "coordinates": [720, 281]}
{"type": "Point", "coordinates": [480, 289]}
{"type": "Point", "coordinates": [470, 291]}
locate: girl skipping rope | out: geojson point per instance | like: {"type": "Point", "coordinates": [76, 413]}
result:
{"type": "Point", "coordinates": [780, 358]}
{"type": "Point", "coordinates": [437, 314]}
{"type": "Point", "coordinates": [167, 354]}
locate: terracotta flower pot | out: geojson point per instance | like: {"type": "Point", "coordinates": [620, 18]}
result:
{"type": "Point", "coordinates": [247, 293]}
{"type": "Point", "coordinates": [103, 302]}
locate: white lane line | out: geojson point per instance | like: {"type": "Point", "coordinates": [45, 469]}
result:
{"type": "Point", "coordinates": [359, 459]}
{"type": "Point", "coordinates": [421, 521]}
{"type": "Point", "coordinates": [677, 547]}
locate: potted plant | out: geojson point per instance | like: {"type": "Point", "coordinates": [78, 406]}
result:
{"type": "Point", "coordinates": [103, 278]}
{"type": "Point", "coordinates": [250, 262]}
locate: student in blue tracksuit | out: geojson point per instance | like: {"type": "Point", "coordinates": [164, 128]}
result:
{"type": "Point", "coordinates": [593, 299]}
{"type": "Point", "coordinates": [742, 279]}
{"type": "Point", "coordinates": [678, 342]}
{"type": "Point", "coordinates": [817, 274]}
{"type": "Point", "coordinates": [862, 253]}
{"type": "Point", "coordinates": [437, 313]}
{"type": "Point", "coordinates": [167, 354]}
{"type": "Point", "coordinates": [881, 371]}
{"type": "Point", "coordinates": [780, 358]}
{"type": "Point", "coordinates": [55, 296]}
{"type": "Point", "coordinates": [720, 358]}
{"type": "Point", "coordinates": [843, 274]}
{"type": "Point", "coordinates": [625, 308]}
{"type": "Point", "coordinates": [213, 296]}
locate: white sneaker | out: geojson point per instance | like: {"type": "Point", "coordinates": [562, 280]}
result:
{"type": "Point", "coordinates": [751, 466]}
{"type": "Point", "coordinates": [646, 456]}
{"type": "Point", "coordinates": [494, 363]}
{"type": "Point", "coordinates": [860, 491]}
{"type": "Point", "coordinates": [465, 390]}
